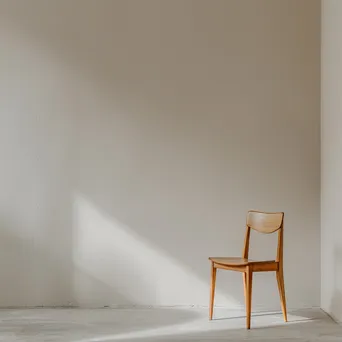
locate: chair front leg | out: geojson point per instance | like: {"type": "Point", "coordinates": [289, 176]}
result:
{"type": "Point", "coordinates": [249, 285]}
{"type": "Point", "coordinates": [212, 290]}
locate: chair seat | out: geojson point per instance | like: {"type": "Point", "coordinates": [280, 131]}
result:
{"type": "Point", "coordinates": [233, 261]}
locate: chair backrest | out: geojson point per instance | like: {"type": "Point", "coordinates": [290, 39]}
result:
{"type": "Point", "coordinates": [265, 223]}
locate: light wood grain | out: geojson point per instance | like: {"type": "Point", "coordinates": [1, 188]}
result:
{"type": "Point", "coordinates": [212, 290]}
{"type": "Point", "coordinates": [233, 261]}
{"type": "Point", "coordinates": [280, 273]}
{"type": "Point", "coordinates": [244, 279]}
{"type": "Point", "coordinates": [231, 268]}
{"type": "Point", "coordinates": [265, 267]}
{"type": "Point", "coordinates": [281, 287]}
{"type": "Point", "coordinates": [249, 286]}
{"type": "Point", "coordinates": [264, 223]}
{"type": "Point", "coordinates": [246, 245]}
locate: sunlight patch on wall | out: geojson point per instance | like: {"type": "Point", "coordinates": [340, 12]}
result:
{"type": "Point", "coordinates": [128, 270]}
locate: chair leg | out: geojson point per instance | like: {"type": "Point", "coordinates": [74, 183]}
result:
{"type": "Point", "coordinates": [212, 291]}
{"type": "Point", "coordinates": [249, 284]}
{"type": "Point", "coordinates": [281, 287]}
{"type": "Point", "coordinates": [244, 284]}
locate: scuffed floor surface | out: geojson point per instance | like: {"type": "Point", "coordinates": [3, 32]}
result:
{"type": "Point", "coordinates": [142, 325]}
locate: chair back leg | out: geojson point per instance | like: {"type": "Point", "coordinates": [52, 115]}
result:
{"type": "Point", "coordinates": [281, 287]}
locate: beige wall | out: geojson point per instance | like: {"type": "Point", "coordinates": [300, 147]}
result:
{"type": "Point", "coordinates": [331, 158]}
{"type": "Point", "coordinates": [134, 137]}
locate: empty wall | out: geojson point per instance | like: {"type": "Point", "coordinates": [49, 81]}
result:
{"type": "Point", "coordinates": [134, 137]}
{"type": "Point", "coordinates": [331, 158]}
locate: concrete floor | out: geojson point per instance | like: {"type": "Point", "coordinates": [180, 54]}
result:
{"type": "Point", "coordinates": [142, 325]}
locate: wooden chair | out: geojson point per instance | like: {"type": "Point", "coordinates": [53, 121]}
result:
{"type": "Point", "coordinates": [263, 223]}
